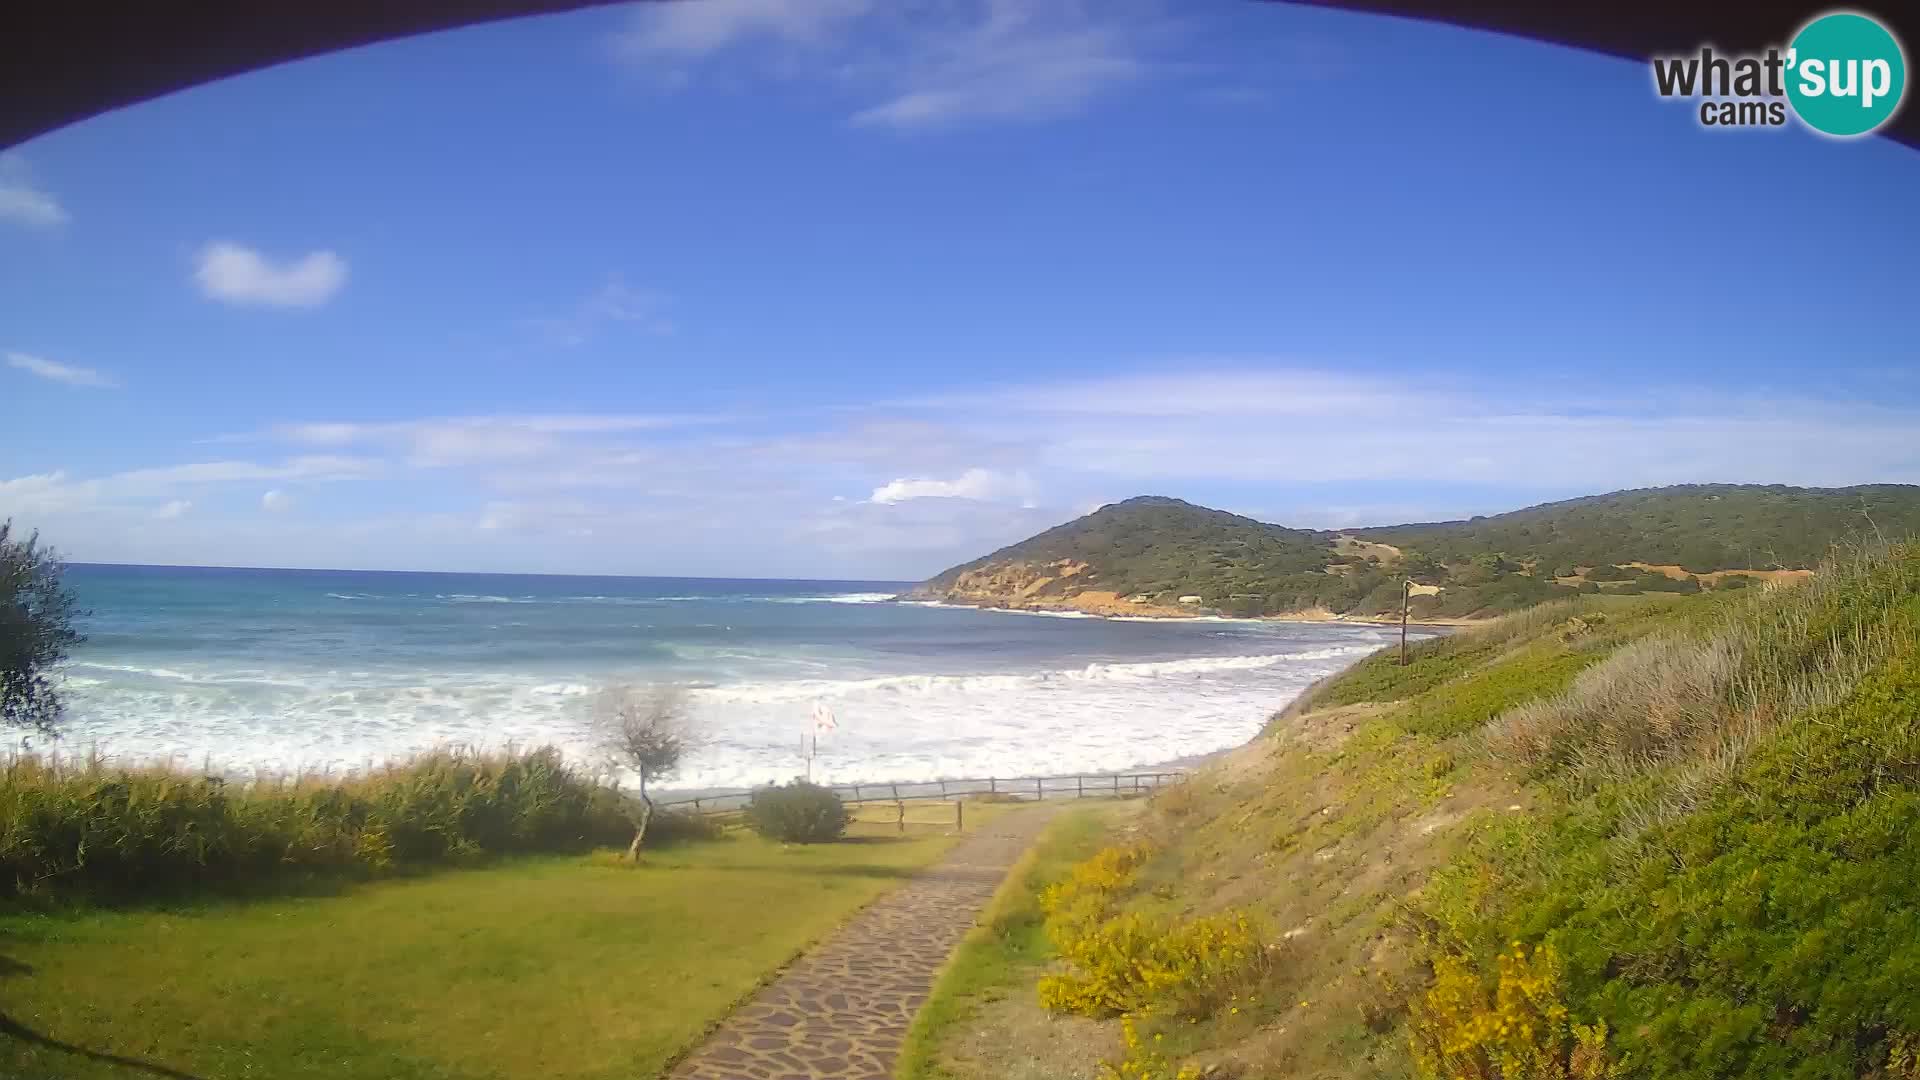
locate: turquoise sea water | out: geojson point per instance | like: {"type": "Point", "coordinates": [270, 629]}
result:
{"type": "Point", "coordinates": [333, 669]}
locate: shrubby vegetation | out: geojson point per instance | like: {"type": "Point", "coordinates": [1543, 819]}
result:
{"type": "Point", "coordinates": [37, 615]}
{"type": "Point", "coordinates": [1699, 527]}
{"type": "Point", "coordinates": [1162, 549]}
{"type": "Point", "coordinates": [1664, 836]}
{"type": "Point", "coordinates": [1733, 882]}
{"type": "Point", "coordinates": [86, 828]}
{"type": "Point", "coordinates": [797, 813]}
{"type": "Point", "coordinates": [1156, 545]}
{"type": "Point", "coordinates": [1121, 960]}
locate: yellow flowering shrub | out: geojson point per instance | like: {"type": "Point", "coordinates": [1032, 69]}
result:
{"type": "Point", "coordinates": [1132, 961]}
{"type": "Point", "coordinates": [1091, 890]}
{"type": "Point", "coordinates": [1517, 1029]}
{"type": "Point", "coordinates": [1144, 1061]}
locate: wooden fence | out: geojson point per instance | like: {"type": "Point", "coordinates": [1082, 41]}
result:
{"type": "Point", "coordinates": [1073, 786]}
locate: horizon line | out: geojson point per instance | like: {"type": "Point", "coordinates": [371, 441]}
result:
{"type": "Point", "coordinates": [474, 573]}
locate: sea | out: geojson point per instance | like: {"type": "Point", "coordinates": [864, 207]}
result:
{"type": "Point", "coordinates": [238, 670]}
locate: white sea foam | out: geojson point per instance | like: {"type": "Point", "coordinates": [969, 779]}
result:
{"type": "Point", "coordinates": [1095, 717]}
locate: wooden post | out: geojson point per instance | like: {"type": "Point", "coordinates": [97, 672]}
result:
{"type": "Point", "coordinates": [1079, 787]}
{"type": "Point", "coordinates": [960, 815]}
{"type": "Point", "coordinates": [1116, 785]}
{"type": "Point", "coordinates": [993, 786]}
{"type": "Point", "coordinates": [1039, 789]}
{"type": "Point", "coordinates": [1406, 601]}
{"type": "Point", "coordinates": [856, 793]}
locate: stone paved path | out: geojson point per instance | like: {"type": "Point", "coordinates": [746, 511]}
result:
{"type": "Point", "coordinates": [841, 1011]}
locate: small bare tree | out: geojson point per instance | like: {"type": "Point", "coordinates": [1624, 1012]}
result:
{"type": "Point", "coordinates": [647, 732]}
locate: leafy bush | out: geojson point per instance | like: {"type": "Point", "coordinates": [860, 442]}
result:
{"type": "Point", "coordinates": [1517, 1029]}
{"type": "Point", "coordinates": [1132, 961]}
{"type": "Point", "coordinates": [89, 828]}
{"type": "Point", "coordinates": [37, 613]}
{"type": "Point", "coordinates": [1119, 961]}
{"type": "Point", "coordinates": [799, 813]}
{"type": "Point", "coordinates": [1733, 889]}
{"type": "Point", "coordinates": [1607, 572]}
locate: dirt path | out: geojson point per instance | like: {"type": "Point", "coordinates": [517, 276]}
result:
{"type": "Point", "coordinates": [842, 1010]}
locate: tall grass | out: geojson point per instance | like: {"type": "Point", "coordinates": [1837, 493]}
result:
{"type": "Point", "coordinates": [80, 826]}
{"type": "Point", "coordinates": [1699, 702]}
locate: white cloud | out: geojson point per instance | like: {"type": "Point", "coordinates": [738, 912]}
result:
{"type": "Point", "coordinates": [473, 440]}
{"type": "Point", "coordinates": [26, 205]}
{"type": "Point", "coordinates": [1019, 59]}
{"type": "Point", "coordinates": [698, 29]}
{"type": "Point", "coordinates": [947, 477]}
{"type": "Point", "coordinates": [276, 501]}
{"type": "Point", "coordinates": [173, 509]}
{"type": "Point", "coordinates": [57, 492]}
{"type": "Point", "coordinates": [614, 303]}
{"type": "Point", "coordinates": [239, 275]}
{"type": "Point", "coordinates": [914, 66]}
{"type": "Point", "coordinates": [1294, 426]}
{"type": "Point", "coordinates": [71, 374]}
{"type": "Point", "coordinates": [979, 484]}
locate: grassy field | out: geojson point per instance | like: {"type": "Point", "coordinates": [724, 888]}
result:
{"type": "Point", "coordinates": [549, 966]}
{"type": "Point", "coordinates": [1001, 955]}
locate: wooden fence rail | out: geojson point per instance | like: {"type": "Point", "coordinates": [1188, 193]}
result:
{"type": "Point", "coordinates": [1069, 786]}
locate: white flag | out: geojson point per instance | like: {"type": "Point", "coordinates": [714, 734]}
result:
{"type": "Point", "coordinates": [822, 718]}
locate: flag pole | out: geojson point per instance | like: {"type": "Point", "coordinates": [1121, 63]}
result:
{"type": "Point", "coordinates": [1406, 601]}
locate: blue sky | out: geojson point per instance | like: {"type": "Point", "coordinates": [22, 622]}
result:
{"type": "Point", "coordinates": [856, 289]}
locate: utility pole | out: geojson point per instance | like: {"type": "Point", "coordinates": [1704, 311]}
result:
{"type": "Point", "coordinates": [1406, 601]}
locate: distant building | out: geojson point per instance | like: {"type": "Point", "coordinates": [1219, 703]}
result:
{"type": "Point", "coordinates": [1190, 599]}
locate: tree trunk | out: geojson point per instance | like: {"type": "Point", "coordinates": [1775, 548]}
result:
{"type": "Point", "coordinates": [640, 823]}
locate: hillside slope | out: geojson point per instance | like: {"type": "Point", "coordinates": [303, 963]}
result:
{"type": "Point", "coordinates": [1161, 556]}
{"type": "Point", "coordinates": [1660, 836]}
{"type": "Point", "coordinates": [1141, 556]}
{"type": "Point", "coordinates": [1697, 527]}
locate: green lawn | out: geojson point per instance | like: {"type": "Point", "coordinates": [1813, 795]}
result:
{"type": "Point", "coordinates": [562, 966]}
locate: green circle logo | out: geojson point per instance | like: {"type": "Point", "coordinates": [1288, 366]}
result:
{"type": "Point", "coordinates": [1846, 74]}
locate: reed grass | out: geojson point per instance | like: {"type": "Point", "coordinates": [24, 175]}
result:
{"type": "Point", "coordinates": [1699, 702]}
{"type": "Point", "coordinates": [82, 826]}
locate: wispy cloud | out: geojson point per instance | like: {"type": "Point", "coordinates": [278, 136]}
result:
{"type": "Point", "coordinates": [276, 501]}
{"type": "Point", "coordinates": [1015, 60]}
{"type": "Point", "coordinates": [979, 484]}
{"type": "Point", "coordinates": [173, 509]}
{"type": "Point", "coordinates": [24, 205]}
{"type": "Point", "coordinates": [904, 488]}
{"type": "Point", "coordinates": [57, 491]}
{"type": "Point", "coordinates": [234, 274]}
{"type": "Point", "coordinates": [699, 29]}
{"type": "Point", "coordinates": [21, 202]}
{"type": "Point", "coordinates": [913, 66]}
{"type": "Point", "coordinates": [469, 440]}
{"type": "Point", "coordinates": [613, 304]}
{"type": "Point", "coordinates": [71, 374]}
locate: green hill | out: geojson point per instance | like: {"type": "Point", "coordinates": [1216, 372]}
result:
{"type": "Point", "coordinates": [1698, 527]}
{"type": "Point", "coordinates": [1151, 547]}
{"type": "Point", "coordinates": [1155, 555]}
{"type": "Point", "coordinates": [1610, 837]}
